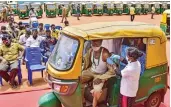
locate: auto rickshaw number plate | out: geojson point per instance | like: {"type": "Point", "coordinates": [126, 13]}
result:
{"type": "Point", "coordinates": [157, 79]}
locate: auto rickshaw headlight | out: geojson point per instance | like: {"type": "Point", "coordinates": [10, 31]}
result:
{"type": "Point", "coordinates": [62, 88]}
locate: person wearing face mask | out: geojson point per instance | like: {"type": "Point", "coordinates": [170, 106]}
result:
{"type": "Point", "coordinates": [130, 76]}
{"type": "Point", "coordinates": [9, 55]}
{"type": "Point", "coordinates": [34, 40]}
{"type": "Point", "coordinates": [54, 31]}
{"type": "Point", "coordinates": [95, 67]}
{"type": "Point", "coordinates": [48, 43]}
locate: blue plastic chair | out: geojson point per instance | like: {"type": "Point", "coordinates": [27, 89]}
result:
{"type": "Point", "coordinates": [33, 61]}
{"type": "Point", "coordinates": [47, 26]}
{"type": "Point", "coordinates": [19, 74]}
{"type": "Point", "coordinates": [35, 25]}
{"type": "Point", "coordinates": [58, 27]}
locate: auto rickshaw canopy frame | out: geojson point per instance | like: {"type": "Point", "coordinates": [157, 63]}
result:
{"type": "Point", "coordinates": [120, 29]}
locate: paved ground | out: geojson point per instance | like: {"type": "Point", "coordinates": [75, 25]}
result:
{"type": "Point", "coordinates": [30, 99]}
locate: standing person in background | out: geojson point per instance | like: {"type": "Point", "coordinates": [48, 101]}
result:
{"type": "Point", "coordinates": [152, 12]}
{"type": "Point", "coordinates": [132, 13]}
{"type": "Point", "coordinates": [4, 14]}
{"type": "Point", "coordinates": [64, 13]}
{"type": "Point", "coordinates": [78, 12]}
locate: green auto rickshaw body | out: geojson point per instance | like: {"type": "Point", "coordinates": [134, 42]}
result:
{"type": "Point", "coordinates": [145, 8]}
{"type": "Point", "coordinates": [38, 8]}
{"type": "Point", "coordinates": [98, 9]}
{"type": "Point", "coordinates": [138, 8]}
{"type": "Point", "coordinates": [66, 84]}
{"type": "Point", "coordinates": [157, 8]}
{"type": "Point", "coordinates": [163, 7]}
{"type": "Point", "coordinates": [119, 8]}
{"type": "Point", "coordinates": [87, 9]}
{"type": "Point", "coordinates": [50, 9]}
{"type": "Point", "coordinates": [126, 7]}
{"type": "Point", "coordinates": [110, 8]}
{"type": "Point", "coordinates": [23, 11]}
{"type": "Point", "coordinates": [73, 8]}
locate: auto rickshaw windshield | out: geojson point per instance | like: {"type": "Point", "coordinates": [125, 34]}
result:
{"type": "Point", "coordinates": [157, 6]}
{"type": "Point", "coordinates": [51, 6]}
{"type": "Point", "coordinates": [119, 5]}
{"type": "Point", "coordinates": [99, 6]}
{"type": "Point", "coordinates": [146, 6]}
{"type": "Point", "coordinates": [13, 6]}
{"type": "Point", "coordinates": [89, 5]}
{"type": "Point", "coordinates": [22, 7]}
{"type": "Point", "coordinates": [35, 6]}
{"type": "Point", "coordinates": [62, 57]}
{"type": "Point", "coordinates": [138, 6]}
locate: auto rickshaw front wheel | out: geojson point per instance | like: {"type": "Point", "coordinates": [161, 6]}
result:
{"type": "Point", "coordinates": [154, 100]}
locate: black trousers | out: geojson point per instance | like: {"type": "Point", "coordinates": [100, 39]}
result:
{"type": "Point", "coordinates": [152, 15]}
{"type": "Point", "coordinates": [132, 17]}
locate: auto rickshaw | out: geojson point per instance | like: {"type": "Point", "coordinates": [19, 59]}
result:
{"type": "Point", "coordinates": [28, 4]}
{"type": "Point", "coordinates": [50, 9]}
{"type": "Point", "coordinates": [110, 8]}
{"type": "Point", "coordinates": [14, 7]}
{"type": "Point", "coordinates": [163, 7]}
{"type": "Point", "coordinates": [38, 8]}
{"type": "Point", "coordinates": [23, 11]}
{"type": "Point", "coordinates": [157, 7]}
{"type": "Point", "coordinates": [87, 9]}
{"type": "Point", "coordinates": [65, 65]}
{"type": "Point", "coordinates": [165, 22]}
{"type": "Point", "coordinates": [138, 8]}
{"type": "Point", "coordinates": [145, 8]}
{"type": "Point", "coordinates": [119, 8]}
{"type": "Point", "coordinates": [73, 8]}
{"type": "Point", "coordinates": [98, 9]}
{"type": "Point", "coordinates": [126, 6]}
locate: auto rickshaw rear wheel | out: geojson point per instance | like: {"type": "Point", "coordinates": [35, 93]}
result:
{"type": "Point", "coordinates": [154, 100]}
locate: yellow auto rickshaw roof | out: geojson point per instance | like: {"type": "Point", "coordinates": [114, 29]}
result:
{"type": "Point", "coordinates": [117, 29]}
{"type": "Point", "coordinates": [167, 11]}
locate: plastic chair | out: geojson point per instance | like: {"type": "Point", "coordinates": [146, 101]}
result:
{"type": "Point", "coordinates": [47, 26]}
{"type": "Point", "coordinates": [35, 25]}
{"type": "Point", "coordinates": [19, 74]}
{"type": "Point", "coordinates": [33, 61]}
{"type": "Point", "coordinates": [58, 27]}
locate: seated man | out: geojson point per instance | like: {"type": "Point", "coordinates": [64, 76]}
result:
{"type": "Point", "coordinates": [54, 31]}
{"type": "Point", "coordinates": [49, 43]}
{"type": "Point", "coordinates": [24, 37]}
{"type": "Point", "coordinates": [95, 68]}
{"type": "Point", "coordinates": [34, 40]}
{"type": "Point", "coordinates": [41, 30]}
{"type": "Point", "coordinates": [9, 53]}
